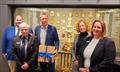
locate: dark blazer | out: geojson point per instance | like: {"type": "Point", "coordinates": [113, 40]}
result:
{"type": "Point", "coordinates": [7, 38]}
{"type": "Point", "coordinates": [103, 56]}
{"type": "Point", "coordinates": [32, 49]}
{"type": "Point", "coordinates": [51, 36]}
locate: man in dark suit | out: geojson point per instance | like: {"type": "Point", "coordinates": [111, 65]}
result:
{"type": "Point", "coordinates": [25, 49]}
{"type": "Point", "coordinates": [47, 35]}
{"type": "Point", "coordinates": [9, 33]}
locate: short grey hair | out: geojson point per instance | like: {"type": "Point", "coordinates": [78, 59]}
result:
{"type": "Point", "coordinates": [24, 24]}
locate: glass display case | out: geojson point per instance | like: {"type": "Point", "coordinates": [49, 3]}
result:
{"type": "Point", "coordinates": [65, 19]}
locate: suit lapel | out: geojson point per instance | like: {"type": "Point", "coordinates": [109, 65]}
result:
{"type": "Point", "coordinates": [14, 31]}
{"type": "Point", "coordinates": [97, 48]}
{"type": "Point", "coordinates": [48, 34]}
{"type": "Point", "coordinates": [38, 33]}
{"type": "Point", "coordinates": [30, 41]}
{"type": "Point", "coordinates": [18, 42]}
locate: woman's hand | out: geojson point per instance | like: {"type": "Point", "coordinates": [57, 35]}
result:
{"type": "Point", "coordinates": [75, 62]}
{"type": "Point", "coordinates": [84, 69]}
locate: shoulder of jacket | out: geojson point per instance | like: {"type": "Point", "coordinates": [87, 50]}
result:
{"type": "Point", "coordinates": [10, 27]}
{"type": "Point", "coordinates": [88, 37]}
{"type": "Point", "coordinates": [38, 25]}
{"type": "Point", "coordinates": [108, 39]}
{"type": "Point", "coordinates": [17, 37]}
{"type": "Point", "coordinates": [32, 35]}
{"type": "Point", "coordinates": [51, 26]}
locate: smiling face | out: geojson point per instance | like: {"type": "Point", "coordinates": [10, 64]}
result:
{"type": "Point", "coordinates": [82, 27]}
{"type": "Point", "coordinates": [24, 31]}
{"type": "Point", "coordinates": [18, 20]}
{"type": "Point", "coordinates": [98, 29]}
{"type": "Point", "coordinates": [24, 28]}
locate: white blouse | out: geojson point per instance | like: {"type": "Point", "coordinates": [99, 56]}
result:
{"type": "Point", "coordinates": [88, 51]}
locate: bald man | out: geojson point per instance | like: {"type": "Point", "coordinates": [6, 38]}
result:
{"type": "Point", "coordinates": [25, 49]}
{"type": "Point", "coordinates": [9, 33]}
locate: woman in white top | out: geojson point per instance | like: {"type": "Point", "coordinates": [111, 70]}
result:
{"type": "Point", "coordinates": [98, 54]}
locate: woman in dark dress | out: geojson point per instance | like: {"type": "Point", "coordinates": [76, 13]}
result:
{"type": "Point", "coordinates": [78, 42]}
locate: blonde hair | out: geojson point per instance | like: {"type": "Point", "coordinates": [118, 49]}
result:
{"type": "Point", "coordinates": [23, 24]}
{"type": "Point", "coordinates": [77, 25]}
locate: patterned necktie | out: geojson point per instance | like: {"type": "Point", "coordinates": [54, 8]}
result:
{"type": "Point", "coordinates": [24, 47]}
{"type": "Point", "coordinates": [23, 41]}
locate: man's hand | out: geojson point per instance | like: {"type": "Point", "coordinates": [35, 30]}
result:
{"type": "Point", "coordinates": [4, 54]}
{"type": "Point", "coordinates": [55, 52]}
{"type": "Point", "coordinates": [25, 66]}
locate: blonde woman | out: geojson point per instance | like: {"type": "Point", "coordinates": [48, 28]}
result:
{"type": "Point", "coordinates": [79, 40]}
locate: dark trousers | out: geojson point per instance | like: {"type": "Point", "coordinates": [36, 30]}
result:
{"type": "Point", "coordinates": [47, 67]}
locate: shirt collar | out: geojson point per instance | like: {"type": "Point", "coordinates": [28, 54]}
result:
{"type": "Point", "coordinates": [16, 28]}
{"type": "Point", "coordinates": [44, 27]}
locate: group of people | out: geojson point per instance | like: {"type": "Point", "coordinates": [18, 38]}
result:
{"type": "Point", "coordinates": [91, 52]}
{"type": "Point", "coordinates": [20, 45]}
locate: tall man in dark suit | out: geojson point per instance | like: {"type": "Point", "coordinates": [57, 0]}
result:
{"type": "Point", "coordinates": [25, 49]}
{"type": "Point", "coordinates": [9, 33]}
{"type": "Point", "coordinates": [47, 35]}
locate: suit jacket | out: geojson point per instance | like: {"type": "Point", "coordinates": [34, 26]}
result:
{"type": "Point", "coordinates": [8, 36]}
{"type": "Point", "coordinates": [32, 49]}
{"type": "Point", "coordinates": [102, 57]}
{"type": "Point", "coordinates": [51, 36]}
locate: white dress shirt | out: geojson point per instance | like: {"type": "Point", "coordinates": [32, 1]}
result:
{"type": "Point", "coordinates": [43, 35]}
